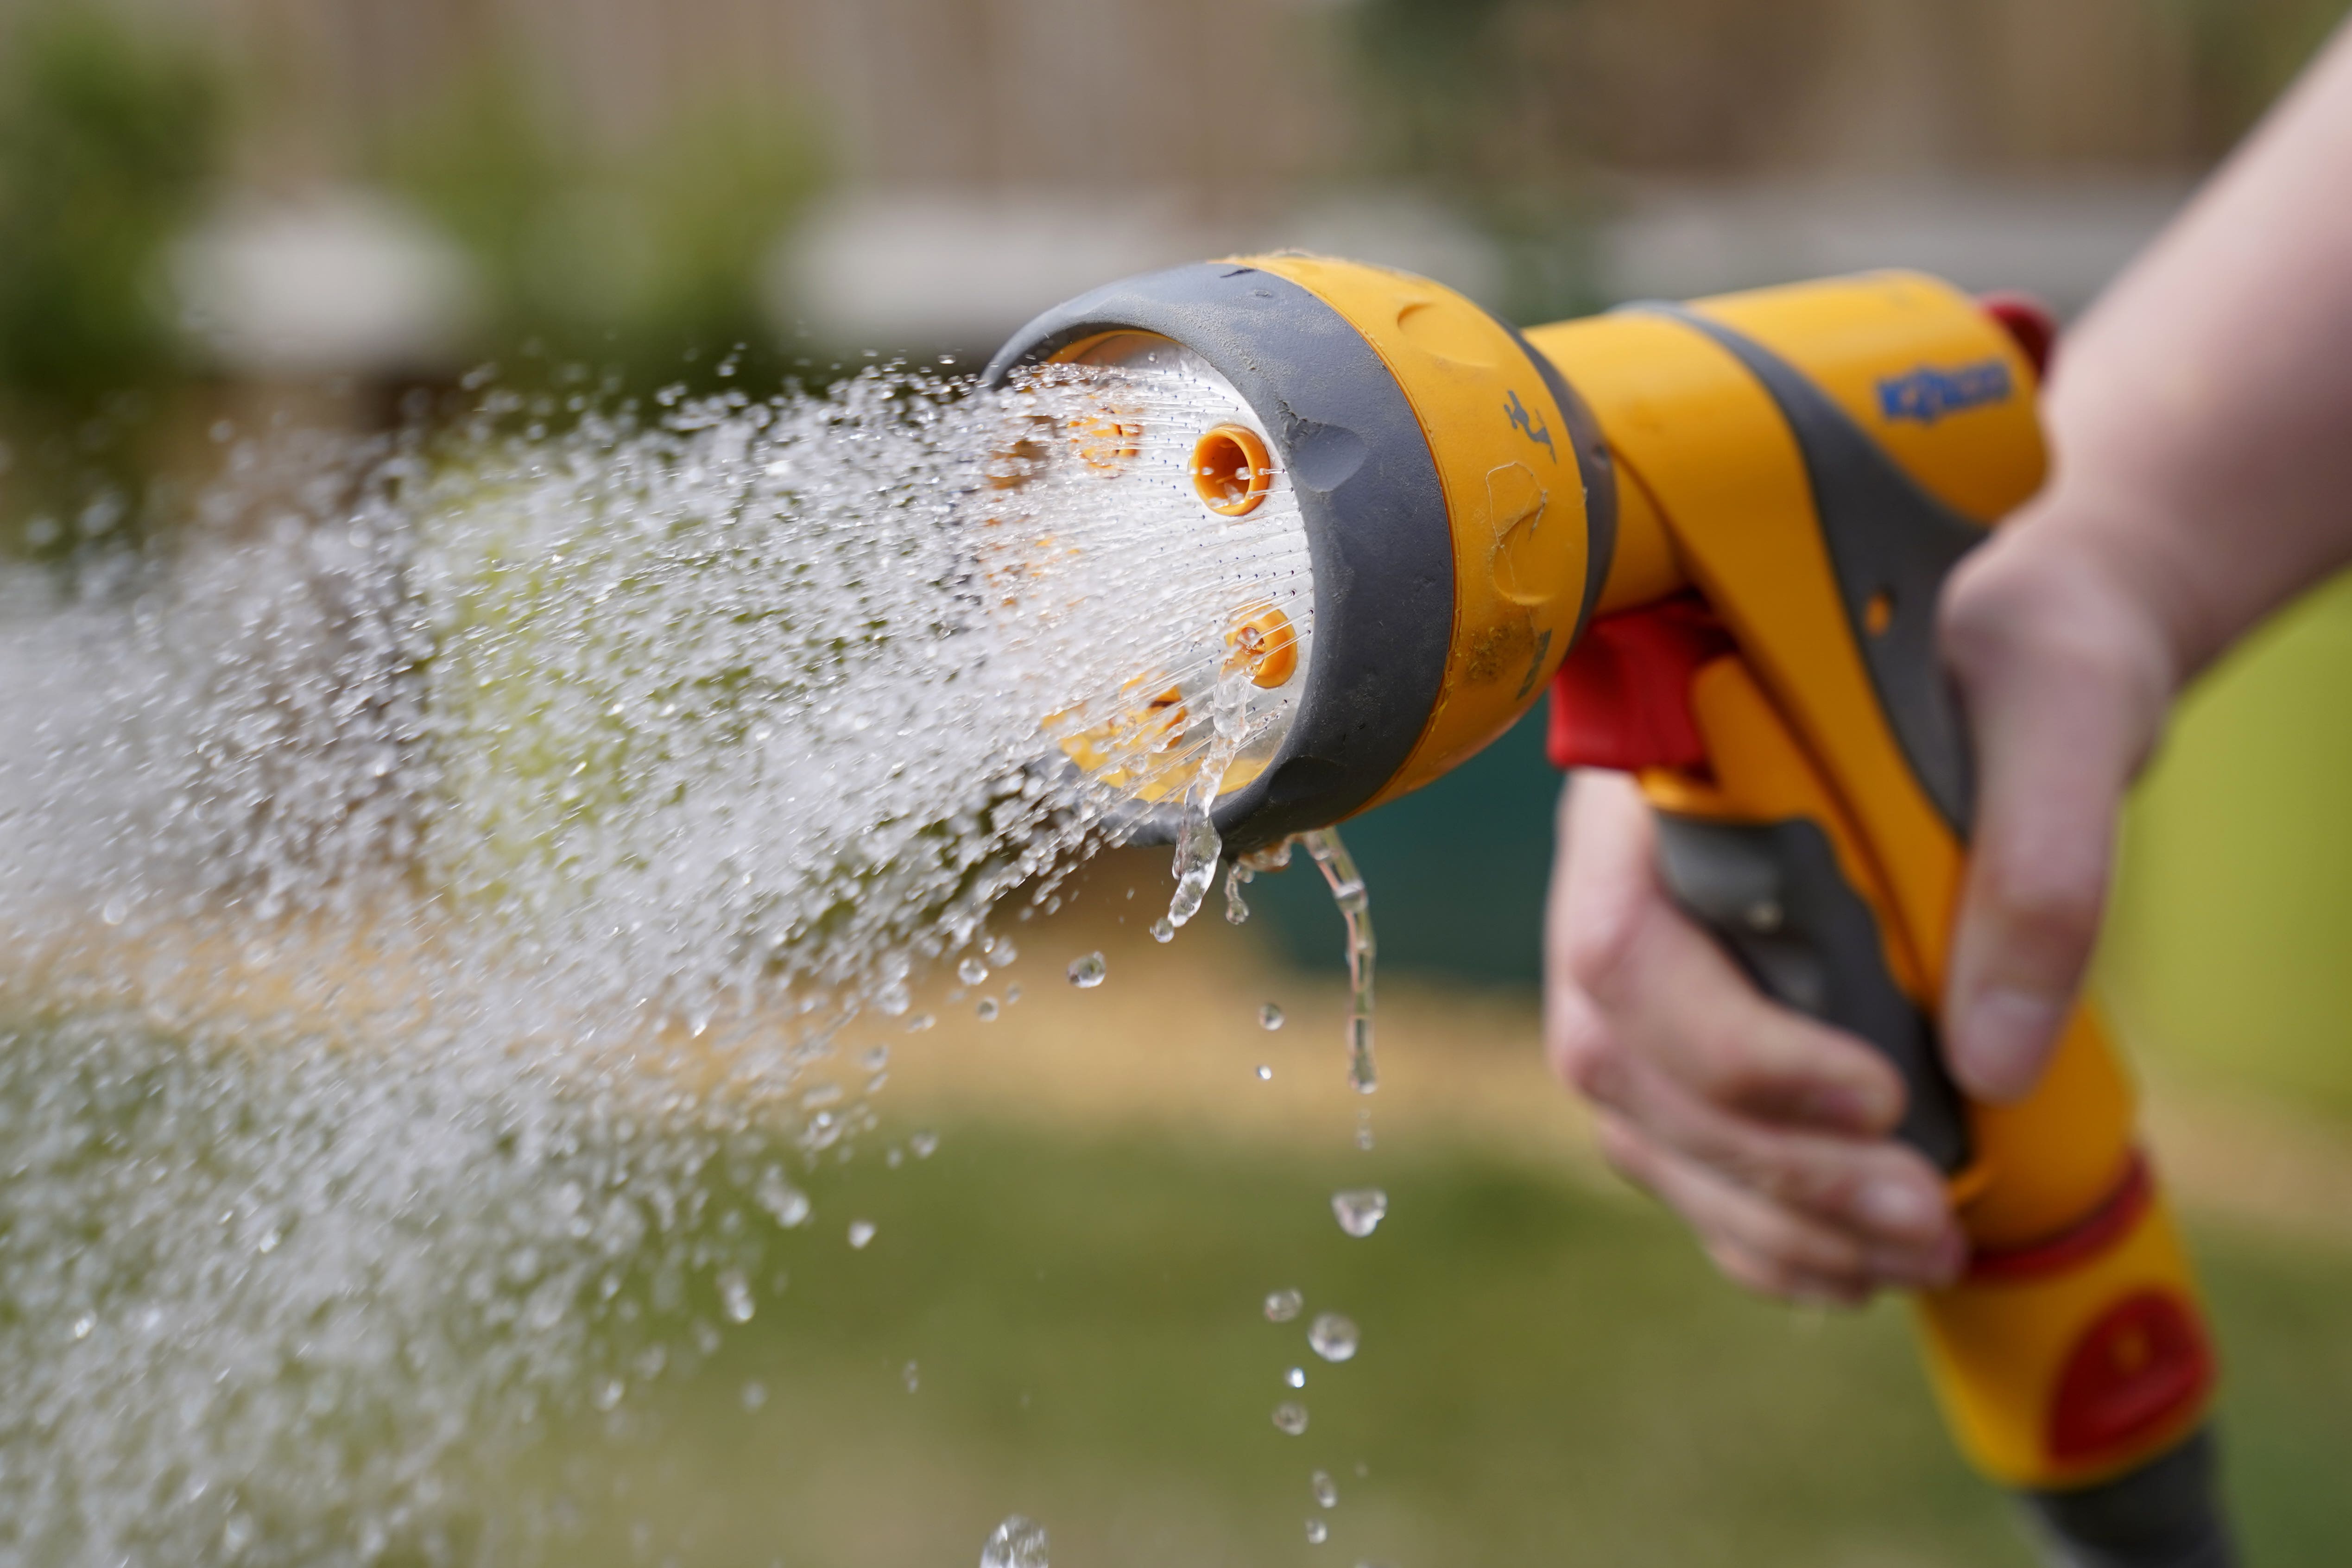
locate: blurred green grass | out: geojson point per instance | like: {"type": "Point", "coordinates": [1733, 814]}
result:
{"type": "Point", "coordinates": [2232, 924]}
{"type": "Point", "coordinates": [1548, 1374]}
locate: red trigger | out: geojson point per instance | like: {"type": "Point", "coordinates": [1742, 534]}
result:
{"type": "Point", "coordinates": [1622, 698]}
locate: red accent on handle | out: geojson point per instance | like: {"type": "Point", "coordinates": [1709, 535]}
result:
{"type": "Point", "coordinates": [2137, 1367]}
{"type": "Point", "coordinates": [2100, 1229]}
{"type": "Point", "coordinates": [2030, 322]}
{"type": "Point", "coordinates": [1622, 698]}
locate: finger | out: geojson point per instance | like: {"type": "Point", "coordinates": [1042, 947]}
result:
{"type": "Point", "coordinates": [1882, 1193]}
{"type": "Point", "coordinates": [1764, 1245]}
{"type": "Point", "coordinates": [2064, 683]}
{"type": "Point", "coordinates": [1766, 1277]}
{"type": "Point", "coordinates": [1698, 1087]}
{"type": "Point", "coordinates": [1617, 940]}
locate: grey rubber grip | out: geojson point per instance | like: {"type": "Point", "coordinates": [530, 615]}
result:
{"type": "Point", "coordinates": [2165, 1514]}
{"type": "Point", "coordinates": [1774, 897]}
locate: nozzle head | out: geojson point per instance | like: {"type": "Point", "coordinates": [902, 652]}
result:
{"type": "Point", "coordinates": [1441, 487]}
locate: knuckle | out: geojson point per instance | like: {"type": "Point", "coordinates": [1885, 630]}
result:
{"type": "Point", "coordinates": [1729, 1065]}
{"type": "Point", "coordinates": [1624, 1151]}
{"type": "Point", "coordinates": [1985, 610]}
{"type": "Point", "coordinates": [1587, 1055]}
{"type": "Point", "coordinates": [1599, 943]}
{"type": "Point", "coordinates": [2048, 897]}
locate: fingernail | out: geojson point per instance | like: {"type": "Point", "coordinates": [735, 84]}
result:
{"type": "Point", "coordinates": [2002, 1039]}
{"type": "Point", "coordinates": [1897, 1207]}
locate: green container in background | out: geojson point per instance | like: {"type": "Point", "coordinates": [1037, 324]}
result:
{"type": "Point", "coordinates": [2229, 943]}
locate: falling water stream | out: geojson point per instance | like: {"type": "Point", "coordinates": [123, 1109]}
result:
{"type": "Point", "coordinates": [423, 886]}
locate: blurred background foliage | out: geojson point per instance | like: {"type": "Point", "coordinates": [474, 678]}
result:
{"type": "Point", "coordinates": [110, 144]}
{"type": "Point", "coordinates": [645, 260]}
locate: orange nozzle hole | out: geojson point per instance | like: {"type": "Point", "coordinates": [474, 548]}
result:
{"type": "Point", "coordinates": [1231, 469]}
{"type": "Point", "coordinates": [1878, 614]}
{"type": "Point", "coordinates": [1266, 646]}
{"type": "Point", "coordinates": [1106, 442]}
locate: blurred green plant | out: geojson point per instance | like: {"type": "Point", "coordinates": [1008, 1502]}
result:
{"type": "Point", "coordinates": [109, 142]}
{"type": "Point", "coordinates": [1453, 100]}
{"type": "Point", "coordinates": [647, 261]}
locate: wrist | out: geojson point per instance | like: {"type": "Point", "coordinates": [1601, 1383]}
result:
{"type": "Point", "coordinates": [2131, 566]}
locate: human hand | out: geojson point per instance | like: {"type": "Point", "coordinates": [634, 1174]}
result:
{"type": "Point", "coordinates": [2066, 670]}
{"type": "Point", "coordinates": [2197, 420]}
{"type": "Point", "coordinates": [1766, 1131]}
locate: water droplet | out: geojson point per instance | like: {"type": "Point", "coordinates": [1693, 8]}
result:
{"type": "Point", "coordinates": [1011, 995]}
{"type": "Point", "coordinates": [1364, 1131]}
{"type": "Point", "coordinates": [83, 1325]}
{"type": "Point", "coordinates": [735, 1297]}
{"type": "Point", "coordinates": [988, 1009]}
{"type": "Point", "coordinates": [1361, 1209]}
{"type": "Point", "coordinates": [874, 1058]}
{"type": "Point", "coordinates": [1296, 1377]}
{"type": "Point", "coordinates": [1264, 1072]}
{"type": "Point", "coordinates": [608, 1394]}
{"type": "Point", "coordinates": [971, 971]}
{"type": "Point", "coordinates": [1317, 1532]}
{"type": "Point", "coordinates": [1333, 1337]}
{"type": "Point", "coordinates": [923, 1145]}
{"type": "Point", "coordinates": [912, 1376]}
{"type": "Point", "coordinates": [1000, 951]}
{"type": "Point", "coordinates": [1325, 1489]}
{"type": "Point", "coordinates": [1347, 885]}
{"type": "Point", "coordinates": [1018, 1542]}
{"type": "Point", "coordinates": [1269, 1016]}
{"type": "Point", "coordinates": [861, 1231]}
{"type": "Point", "coordinates": [116, 911]}
{"type": "Point", "coordinates": [755, 1394]}
{"type": "Point", "coordinates": [1236, 911]}
{"type": "Point", "coordinates": [894, 999]}
{"type": "Point", "coordinates": [919, 1022]}
{"type": "Point", "coordinates": [1086, 973]}
{"type": "Point", "coordinates": [1163, 929]}
{"type": "Point", "coordinates": [785, 1202]}
{"type": "Point", "coordinates": [1284, 1305]}
{"type": "Point", "coordinates": [1291, 1416]}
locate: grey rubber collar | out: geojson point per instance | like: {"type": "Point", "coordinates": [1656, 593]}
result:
{"type": "Point", "coordinates": [1374, 511]}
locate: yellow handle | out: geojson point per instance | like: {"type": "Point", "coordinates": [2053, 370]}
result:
{"type": "Point", "coordinates": [2075, 1348]}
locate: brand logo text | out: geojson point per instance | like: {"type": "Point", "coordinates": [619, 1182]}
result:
{"type": "Point", "coordinates": [1928, 394]}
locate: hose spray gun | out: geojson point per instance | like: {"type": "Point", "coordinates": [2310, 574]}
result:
{"type": "Point", "coordinates": [1715, 532]}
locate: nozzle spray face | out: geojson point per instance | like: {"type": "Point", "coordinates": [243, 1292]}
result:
{"type": "Point", "coordinates": [1425, 458]}
{"type": "Point", "coordinates": [1225, 694]}
{"type": "Point", "coordinates": [1348, 464]}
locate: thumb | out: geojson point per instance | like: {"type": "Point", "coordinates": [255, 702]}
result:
{"type": "Point", "coordinates": [2065, 678]}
